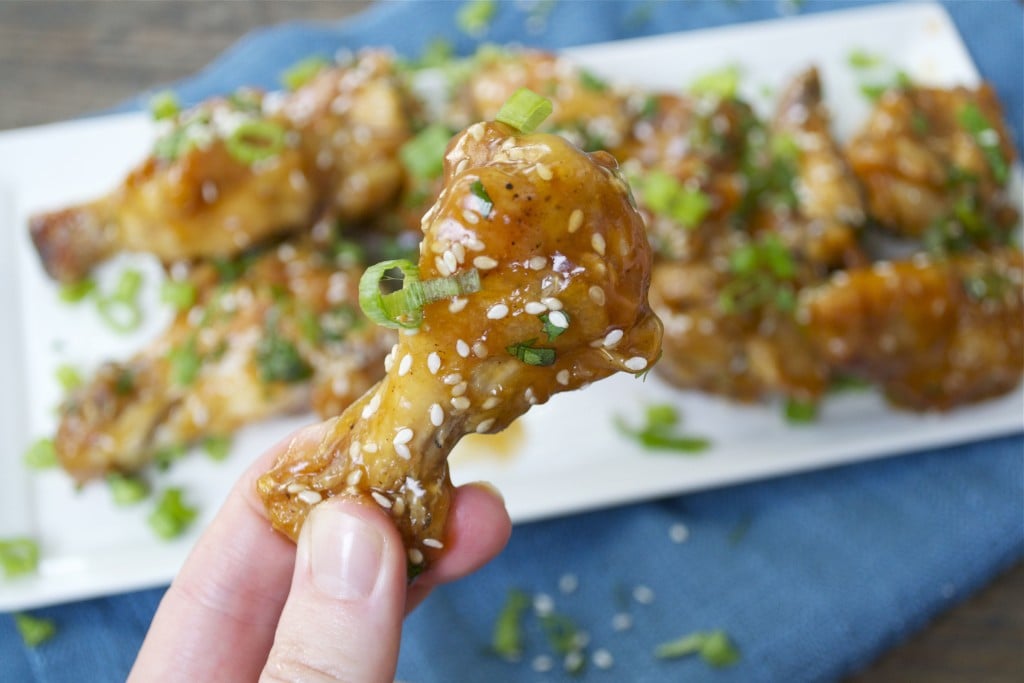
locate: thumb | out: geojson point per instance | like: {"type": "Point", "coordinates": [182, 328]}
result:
{"type": "Point", "coordinates": [343, 617]}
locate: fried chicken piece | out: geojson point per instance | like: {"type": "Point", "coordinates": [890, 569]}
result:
{"type": "Point", "coordinates": [268, 335]}
{"type": "Point", "coordinates": [937, 161]}
{"type": "Point", "coordinates": [236, 171]}
{"type": "Point", "coordinates": [564, 266]}
{"type": "Point", "coordinates": [934, 333]}
{"type": "Point", "coordinates": [828, 200]}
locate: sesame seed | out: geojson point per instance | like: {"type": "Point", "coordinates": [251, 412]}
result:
{"type": "Point", "coordinates": [442, 267]}
{"type": "Point", "coordinates": [531, 398]}
{"type": "Point", "coordinates": [575, 220]}
{"type": "Point", "coordinates": [543, 171]}
{"type": "Point", "coordinates": [415, 556]}
{"type": "Point", "coordinates": [457, 305]}
{"type": "Point", "coordinates": [399, 506]}
{"type": "Point", "coordinates": [461, 403]}
{"type": "Point", "coordinates": [542, 664]}
{"type": "Point", "coordinates": [354, 477]}
{"type": "Point", "coordinates": [450, 261]}
{"type": "Point", "coordinates": [613, 338]}
{"type": "Point", "coordinates": [622, 622]}
{"type": "Point", "coordinates": [433, 362]}
{"type": "Point", "coordinates": [602, 659]}
{"type": "Point", "coordinates": [404, 435]}
{"type": "Point", "coordinates": [370, 447]}
{"type": "Point", "coordinates": [485, 425]}
{"type": "Point", "coordinates": [636, 363]}
{"type": "Point", "coordinates": [436, 414]}
{"type": "Point", "coordinates": [552, 303]}
{"type": "Point", "coordinates": [403, 451]}
{"type": "Point", "coordinates": [643, 594]}
{"type": "Point", "coordinates": [558, 319]}
{"type": "Point", "coordinates": [370, 408]}
{"type": "Point", "coordinates": [678, 533]}
{"type": "Point", "coordinates": [459, 389]}
{"type": "Point", "coordinates": [389, 362]}
{"type": "Point", "coordinates": [476, 131]}
{"type": "Point", "coordinates": [543, 605]}
{"type": "Point", "coordinates": [354, 449]}
{"type": "Point", "coordinates": [462, 348]}
{"type": "Point", "coordinates": [405, 365]}
{"type": "Point", "coordinates": [573, 661]}
{"type": "Point", "coordinates": [459, 252]}
{"type": "Point", "coordinates": [470, 217]}
{"type": "Point", "coordinates": [596, 294]}
{"type": "Point", "coordinates": [484, 262]}
{"type": "Point", "coordinates": [461, 166]}
{"type": "Point", "coordinates": [474, 244]}
{"type": "Point", "coordinates": [479, 350]}
{"type": "Point", "coordinates": [497, 311]}
{"type": "Point", "coordinates": [310, 497]}
{"type": "Point", "coordinates": [535, 308]}
{"type": "Point", "coordinates": [432, 543]}
{"type": "Point", "coordinates": [562, 377]}
{"type": "Point", "coordinates": [209, 192]}
{"type": "Point", "coordinates": [491, 402]}
{"type": "Point", "coordinates": [597, 242]}
{"type": "Point", "coordinates": [295, 487]}
{"type": "Point", "coordinates": [568, 583]}
{"type": "Point", "coordinates": [452, 379]}
{"type": "Point", "coordinates": [381, 499]}
{"type": "Point", "coordinates": [537, 262]}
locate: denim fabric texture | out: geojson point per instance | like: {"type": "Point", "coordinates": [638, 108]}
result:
{"type": "Point", "coordinates": [813, 576]}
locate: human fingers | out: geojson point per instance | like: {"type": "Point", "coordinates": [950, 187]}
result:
{"type": "Point", "coordinates": [343, 617]}
{"type": "Point", "coordinates": [478, 529]}
{"type": "Point", "coordinates": [217, 620]}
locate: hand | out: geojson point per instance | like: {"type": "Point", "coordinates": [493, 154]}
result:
{"type": "Point", "coordinates": [247, 604]}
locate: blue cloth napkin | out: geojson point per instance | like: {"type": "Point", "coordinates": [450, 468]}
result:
{"type": "Point", "coordinates": [812, 576]}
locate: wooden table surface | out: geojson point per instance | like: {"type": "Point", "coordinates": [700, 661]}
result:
{"type": "Point", "coordinates": [62, 59]}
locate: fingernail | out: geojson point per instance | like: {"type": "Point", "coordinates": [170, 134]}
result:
{"type": "Point", "coordinates": [346, 554]}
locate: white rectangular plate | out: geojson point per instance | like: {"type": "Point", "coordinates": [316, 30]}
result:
{"type": "Point", "coordinates": [562, 457]}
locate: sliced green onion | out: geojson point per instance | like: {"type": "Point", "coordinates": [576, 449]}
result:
{"type": "Point", "coordinates": [280, 361]}
{"type": "Point", "coordinates": [168, 455]}
{"type": "Point", "coordinates": [125, 383]}
{"type": "Point", "coordinates": [120, 316]}
{"type": "Point", "coordinates": [34, 630]}
{"type": "Point", "coordinates": [530, 354]}
{"type": "Point", "coordinates": [438, 52]}
{"type": "Point", "coordinates": [180, 295]}
{"type": "Point", "coordinates": [303, 71]}
{"type": "Point", "coordinates": [255, 140]}
{"type": "Point", "coordinates": [714, 647]}
{"type": "Point", "coordinates": [550, 328]}
{"type": "Point", "coordinates": [985, 136]}
{"type": "Point", "coordinates": [475, 16]}
{"type": "Point", "coordinates": [661, 431]}
{"type": "Point", "coordinates": [590, 81]}
{"type": "Point", "coordinates": [721, 83]}
{"type": "Point", "coordinates": [404, 308]}
{"type": "Point", "coordinates": [480, 192]}
{"type": "Point", "coordinates": [164, 105]}
{"type": "Point", "coordinates": [18, 556]}
{"type": "Point", "coordinates": [507, 638]}
{"type": "Point", "coordinates": [801, 412]}
{"type": "Point", "coordinates": [524, 110]}
{"type": "Point", "coordinates": [68, 377]}
{"type": "Point", "coordinates": [41, 455]}
{"type": "Point", "coordinates": [74, 292]}
{"type": "Point", "coordinates": [185, 363]}
{"type": "Point", "coordinates": [666, 196]}
{"type": "Point", "coordinates": [126, 490]}
{"type": "Point", "coordinates": [423, 155]}
{"type": "Point", "coordinates": [172, 516]}
{"type": "Point", "coordinates": [861, 59]}
{"type": "Point", "coordinates": [218, 447]}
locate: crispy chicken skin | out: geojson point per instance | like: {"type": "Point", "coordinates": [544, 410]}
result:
{"type": "Point", "coordinates": [329, 146]}
{"type": "Point", "coordinates": [265, 342]}
{"type": "Point", "coordinates": [933, 333]}
{"type": "Point", "coordinates": [926, 154]}
{"type": "Point", "coordinates": [557, 236]}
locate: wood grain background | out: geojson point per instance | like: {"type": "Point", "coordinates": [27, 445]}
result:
{"type": "Point", "coordinates": [60, 59]}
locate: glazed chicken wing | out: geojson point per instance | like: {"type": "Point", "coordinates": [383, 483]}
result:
{"type": "Point", "coordinates": [564, 266]}
{"type": "Point", "coordinates": [935, 164]}
{"type": "Point", "coordinates": [267, 335]}
{"type": "Point", "coordinates": [933, 334]}
{"type": "Point", "coordinates": [234, 172]}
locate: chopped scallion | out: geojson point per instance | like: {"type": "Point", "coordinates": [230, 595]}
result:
{"type": "Point", "coordinates": [168, 455]}
{"type": "Point", "coordinates": [302, 72]}
{"type": "Point", "coordinates": [74, 292]}
{"type": "Point", "coordinates": [218, 447]}
{"type": "Point", "coordinates": [68, 377]}
{"type": "Point", "coordinates": [507, 638]}
{"type": "Point", "coordinates": [423, 155]}
{"type": "Point", "coordinates": [556, 325]}
{"type": "Point", "coordinates": [126, 490]}
{"type": "Point", "coordinates": [660, 432]}
{"type": "Point", "coordinates": [532, 355]}
{"type": "Point", "coordinates": [720, 83]}
{"type": "Point", "coordinates": [41, 455]}
{"type": "Point", "coordinates": [475, 16]}
{"type": "Point", "coordinates": [164, 105]}
{"type": "Point", "coordinates": [185, 363]}
{"type": "Point", "coordinates": [524, 110]}
{"type": "Point", "coordinates": [801, 412]}
{"type": "Point", "coordinates": [480, 192]}
{"type": "Point", "coordinates": [172, 516]}
{"type": "Point", "coordinates": [255, 140]}
{"type": "Point", "coordinates": [404, 308]}
{"type": "Point", "coordinates": [18, 556]}
{"type": "Point", "coordinates": [280, 361]}
{"type": "Point", "coordinates": [180, 295]}
{"type": "Point", "coordinates": [985, 136]}
{"type": "Point", "coordinates": [861, 59]}
{"type": "Point", "coordinates": [34, 630]}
